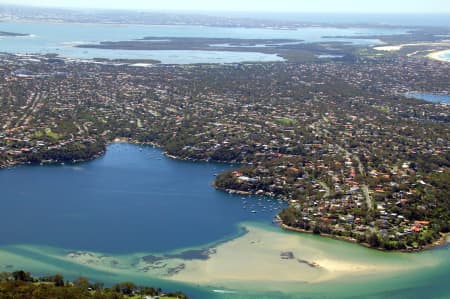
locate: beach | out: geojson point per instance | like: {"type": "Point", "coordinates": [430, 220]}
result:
{"type": "Point", "coordinates": [266, 256]}
{"type": "Point", "coordinates": [389, 48]}
{"type": "Point", "coordinates": [279, 257]}
{"type": "Point", "coordinates": [263, 256]}
{"type": "Point", "coordinates": [435, 54]}
{"type": "Point", "coordinates": [440, 55]}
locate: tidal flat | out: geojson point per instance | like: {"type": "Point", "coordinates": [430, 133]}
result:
{"type": "Point", "coordinates": [263, 260]}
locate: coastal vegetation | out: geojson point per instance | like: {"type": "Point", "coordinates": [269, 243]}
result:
{"type": "Point", "coordinates": [21, 284]}
{"type": "Point", "coordinates": [292, 50]}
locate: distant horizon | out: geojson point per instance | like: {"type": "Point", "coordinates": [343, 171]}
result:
{"type": "Point", "coordinates": [221, 12]}
{"type": "Point", "coordinates": [381, 7]}
{"type": "Point", "coordinates": [430, 19]}
{"type": "Point", "coordinates": [240, 12]}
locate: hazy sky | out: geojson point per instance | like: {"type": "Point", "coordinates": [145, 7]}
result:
{"type": "Point", "coordinates": [368, 6]}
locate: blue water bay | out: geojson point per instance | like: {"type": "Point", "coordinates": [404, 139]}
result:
{"type": "Point", "coordinates": [430, 97]}
{"type": "Point", "coordinates": [60, 38]}
{"type": "Point", "coordinates": [130, 200]}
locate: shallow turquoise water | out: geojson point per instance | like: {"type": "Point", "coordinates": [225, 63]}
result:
{"type": "Point", "coordinates": [425, 282]}
{"type": "Point", "coordinates": [447, 57]}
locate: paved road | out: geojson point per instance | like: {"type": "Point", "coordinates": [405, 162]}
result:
{"type": "Point", "coordinates": [365, 191]}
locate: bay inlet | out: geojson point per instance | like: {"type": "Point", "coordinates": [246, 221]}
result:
{"type": "Point", "coordinates": [134, 214]}
{"type": "Point", "coordinates": [430, 97]}
{"type": "Point", "coordinates": [61, 39]}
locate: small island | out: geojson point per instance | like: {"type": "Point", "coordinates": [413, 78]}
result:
{"type": "Point", "coordinates": [293, 50]}
{"type": "Point", "coordinates": [12, 34]}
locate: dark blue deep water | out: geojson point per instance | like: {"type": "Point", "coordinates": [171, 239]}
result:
{"type": "Point", "coordinates": [130, 200]}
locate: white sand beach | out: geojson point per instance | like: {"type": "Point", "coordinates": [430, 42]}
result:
{"type": "Point", "coordinates": [270, 256]}
{"type": "Point", "coordinates": [261, 255]}
{"type": "Point", "coordinates": [389, 48]}
{"type": "Point", "coordinates": [439, 55]}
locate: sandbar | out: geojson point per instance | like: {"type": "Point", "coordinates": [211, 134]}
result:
{"type": "Point", "coordinates": [440, 55]}
{"type": "Point", "coordinates": [391, 48]}
{"type": "Point", "coordinates": [270, 256]}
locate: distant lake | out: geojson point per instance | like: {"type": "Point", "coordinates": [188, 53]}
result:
{"type": "Point", "coordinates": [60, 38]}
{"type": "Point", "coordinates": [435, 98]}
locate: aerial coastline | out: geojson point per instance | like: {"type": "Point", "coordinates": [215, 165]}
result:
{"type": "Point", "coordinates": [443, 240]}
{"type": "Point", "coordinates": [339, 179]}
{"type": "Point", "coordinates": [326, 140]}
{"type": "Point", "coordinates": [229, 155]}
{"type": "Point", "coordinates": [269, 258]}
{"type": "Point", "coordinates": [443, 55]}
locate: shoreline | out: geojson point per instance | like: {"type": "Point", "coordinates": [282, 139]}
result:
{"type": "Point", "coordinates": [436, 244]}
{"type": "Point", "coordinates": [267, 255]}
{"type": "Point", "coordinates": [240, 192]}
{"type": "Point", "coordinates": [439, 55]}
{"type": "Point", "coordinates": [269, 260]}
{"type": "Point", "coordinates": [11, 164]}
{"type": "Point", "coordinates": [440, 242]}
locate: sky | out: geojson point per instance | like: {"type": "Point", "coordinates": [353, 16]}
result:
{"type": "Point", "coordinates": [338, 6]}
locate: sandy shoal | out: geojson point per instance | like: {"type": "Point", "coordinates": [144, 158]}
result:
{"type": "Point", "coordinates": [439, 55]}
{"type": "Point", "coordinates": [391, 48]}
{"type": "Point", "coordinates": [256, 256]}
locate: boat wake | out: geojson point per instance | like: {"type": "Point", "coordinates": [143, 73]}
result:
{"type": "Point", "coordinates": [224, 292]}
